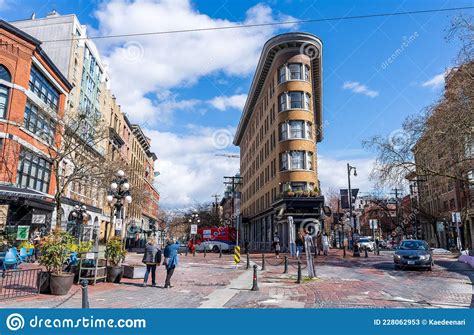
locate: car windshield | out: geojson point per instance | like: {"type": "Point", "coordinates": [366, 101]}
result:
{"type": "Point", "coordinates": [413, 245]}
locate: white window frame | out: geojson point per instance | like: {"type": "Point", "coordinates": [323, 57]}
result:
{"type": "Point", "coordinates": [306, 101]}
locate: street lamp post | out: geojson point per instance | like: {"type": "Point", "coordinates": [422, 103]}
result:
{"type": "Point", "coordinates": [355, 248]}
{"type": "Point", "coordinates": [119, 195]}
{"type": "Point", "coordinates": [79, 213]}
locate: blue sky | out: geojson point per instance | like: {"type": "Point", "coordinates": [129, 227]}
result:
{"type": "Point", "coordinates": [187, 90]}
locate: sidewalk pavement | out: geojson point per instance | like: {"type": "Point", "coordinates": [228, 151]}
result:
{"type": "Point", "coordinates": [214, 282]}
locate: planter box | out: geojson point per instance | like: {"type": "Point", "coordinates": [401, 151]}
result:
{"type": "Point", "coordinates": [134, 271]}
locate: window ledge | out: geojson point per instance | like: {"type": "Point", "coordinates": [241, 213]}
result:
{"type": "Point", "coordinates": [297, 80]}
{"type": "Point", "coordinates": [296, 139]}
{"type": "Point", "coordinates": [295, 109]}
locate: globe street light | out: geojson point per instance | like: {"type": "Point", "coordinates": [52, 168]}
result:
{"type": "Point", "coordinates": [119, 195]}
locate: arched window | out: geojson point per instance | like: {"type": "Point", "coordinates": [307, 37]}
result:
{"type": "Point", "coordinates": [4, 90]}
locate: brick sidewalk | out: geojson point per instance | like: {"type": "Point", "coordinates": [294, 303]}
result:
{"type": "Point", "coordinates": [341, 282]}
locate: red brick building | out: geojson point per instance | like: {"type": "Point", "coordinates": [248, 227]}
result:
{"type": "Point", "coordinates": [32, 98]}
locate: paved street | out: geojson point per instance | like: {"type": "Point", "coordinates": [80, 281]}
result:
{"type": "Point", "coordinates": [214, 282]}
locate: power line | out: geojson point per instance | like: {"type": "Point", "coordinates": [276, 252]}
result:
{"type": "Point", "coordinates": [356, 17]}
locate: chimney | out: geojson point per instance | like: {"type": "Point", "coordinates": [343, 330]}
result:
{"type": "Point", "coordinates": [53, 13]}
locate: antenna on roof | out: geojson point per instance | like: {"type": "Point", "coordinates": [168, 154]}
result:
{"type": "Point", "coordinates": [33, 15]}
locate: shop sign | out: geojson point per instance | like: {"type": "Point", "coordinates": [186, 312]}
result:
{"type": "Point", "coordinates": [22, 233]}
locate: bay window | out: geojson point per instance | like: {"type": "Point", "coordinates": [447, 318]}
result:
{"type": "Point", "coordinates": [294, 100]}
{"type": "Point", "coordinates": [295, 129]}
{"type": "Point", "coordinates": [296, 160]}
{"type": "Point", "coordinates": [293, 71]}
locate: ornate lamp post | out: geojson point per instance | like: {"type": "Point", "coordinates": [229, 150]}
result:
{"type": "Point", "coordinates": [119, 195]}
{"type": "Point", "coordinates": [79, 214]}
{"type": "Point", "coordinates": [355, 248]}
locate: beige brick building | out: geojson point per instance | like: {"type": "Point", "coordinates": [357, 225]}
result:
{"type": "Point", "coordinates": [277, 135]}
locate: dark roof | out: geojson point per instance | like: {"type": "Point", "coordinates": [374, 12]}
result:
{"type": "Point", "coordinates": [37, 43]}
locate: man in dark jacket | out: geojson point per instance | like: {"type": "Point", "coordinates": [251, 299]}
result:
{"type": "Point", "coordinates": [151, 258]}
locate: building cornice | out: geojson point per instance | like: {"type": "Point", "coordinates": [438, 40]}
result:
{"type": "Point", "coordinates": [309, 45]}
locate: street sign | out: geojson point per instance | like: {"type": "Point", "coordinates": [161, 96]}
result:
{"type": "Point", "coordinates": [23, 233]}
{"type": "Point", "coordinates": [456, 217]}
{"type": "Point", "coordinates": [194, 229]}
{"type": "Point", "coordinates": [118, 224]}
{"type": "Point", "coordinates": [373, 223]}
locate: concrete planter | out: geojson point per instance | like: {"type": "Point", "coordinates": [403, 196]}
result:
{"type": "Point", "coordinates": [136, 271]}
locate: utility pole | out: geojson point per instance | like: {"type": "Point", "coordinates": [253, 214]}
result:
{"type": "Point", "coordinates": [395, 191]}
{"type": "Point", "coordinates": [233, 182]}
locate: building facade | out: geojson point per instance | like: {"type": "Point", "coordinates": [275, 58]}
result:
{"type": "Point", "coordinates": [78, 58]}
{"type": "Point", "coordinates": [277, 135]}
{"type": "Point", "coordinates": [33, 94]}
{"type": "Point", "coordinates": [448, 190]}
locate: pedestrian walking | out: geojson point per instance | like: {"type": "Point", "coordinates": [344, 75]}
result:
{"type": "Point", "coordinates": [325, 242]}
{"type": "Point", "coordinates": [152, 258]}
{"type": "Point", "coordinates": [299, 244]}
{"type": "Point", "coordinates": [308, 243]}
{"type": "Point", "coordinates": [276, 245]}
{"type": "Point", "coordinates": [171, 260]}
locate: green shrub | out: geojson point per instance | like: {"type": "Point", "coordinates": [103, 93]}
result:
{"type": "Point", "coordinates": [55, 250]}
{"type": "Point", "coordinates": [114, 251]}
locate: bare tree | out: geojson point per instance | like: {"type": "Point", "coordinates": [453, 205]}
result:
{"type": "Point", "coordinates": [74, 157]}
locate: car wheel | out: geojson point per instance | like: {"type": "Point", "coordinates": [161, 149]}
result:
{"type": "Point", "coordinates": [396, 267]}
{"type": "Point", "coordinates": [215, 248]}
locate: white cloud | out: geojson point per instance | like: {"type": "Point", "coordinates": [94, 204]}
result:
{"type": "Point", "coordinates": [332, 173]}
{"type": "Point", "coordinates": [189, 169]}
{"type": "Point", "coordinates": [435, 82]}
{"type": "Point", "coordinates": [359, 88]}
{"type": "Point", "coordinates": [141, 66]}
{"type": "Point", "coordinates": [234, 101]}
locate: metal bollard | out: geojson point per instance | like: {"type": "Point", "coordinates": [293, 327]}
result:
{"type": "Point", "coordinates": [204, 252]}
{"type": "Point", "coordinates": [344, 252]}
{"type": "Point", "coordinates": [263, 262]}
{"type": "Point", "coordinates": [186, 253]}
{"type": "Point", "coordinates": [285, 270]}
{"type": "Point", "coordinates": [254, 281]}
{"type": "Point", "coordinates": [248, 260]}
{"type": "Point", "coordinates": [220, 252]}
{"type": "Point", "coordinates": [316, 252]}
{"type": "Point", "coordinates": [365, 251]}
{"type": "Point", "coordinates": [298, 280]}
{"type": "Point", "coordinates": [85, 294]}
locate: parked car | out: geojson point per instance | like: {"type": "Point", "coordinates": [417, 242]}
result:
{"type": "Point", "coordinates": [364, 242]}
{"type": "Point", "coordinates": [214, 246]}
{"type": "Point", "coordinates": [383, 244]}
{"type": "Point", "coordinates": [413, 254]}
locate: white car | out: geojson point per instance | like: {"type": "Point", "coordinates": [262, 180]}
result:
{"type": "Point", "coordinates": [214, 246]}
{"type": "Point", "coordinates": [366, 243]}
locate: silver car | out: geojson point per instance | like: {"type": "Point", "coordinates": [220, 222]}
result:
{"type": "Point", "coordinates": [413, 254]}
